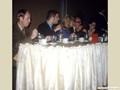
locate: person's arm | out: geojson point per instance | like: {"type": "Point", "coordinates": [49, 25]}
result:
{"type": "Point", "coordinates": [43, 30]}
{"type": "Point", "coordinates": [18, 38]}
{"type": "Point", "coordinates": [57, 28]}
{"type": "Point", "coordinates": [90, 32]}
{"type": "Point", "coordinates": [29, 38]}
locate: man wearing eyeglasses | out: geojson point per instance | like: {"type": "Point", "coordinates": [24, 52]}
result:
{"type": "Point", "coordinates": [80, 31]}
{"type": "Point", "coordinates": [46, 28]}
{"type": "Point", "coordinates": [76, 24]}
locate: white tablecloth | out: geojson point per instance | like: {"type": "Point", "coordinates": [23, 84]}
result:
{"type": "Point", "coordinates": [62, 68]}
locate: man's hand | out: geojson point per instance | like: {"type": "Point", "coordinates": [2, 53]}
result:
{"type": "Point", "coordinates": [48, 38]}
{"type": "Point", "coordinates": [57, 28]}
{"type": "Point", "coordinates": [15, 57]}
{"type": "Point", "coordinates": [34, 33]}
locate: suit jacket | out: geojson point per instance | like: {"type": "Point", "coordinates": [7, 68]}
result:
{"type": "Point", "coordinates": [80, 34]}
{"type": "Point", "coordinates": [44, 29]}
{"type": "Point", "coordinates": [19, 37]}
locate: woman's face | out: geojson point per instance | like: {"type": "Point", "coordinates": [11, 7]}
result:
{"type": "Point", "coordinates": [71, 23]}
{"type": "Point", "coordinates": [92, 25]}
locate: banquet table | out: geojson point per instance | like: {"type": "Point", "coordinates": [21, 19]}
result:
{"type": "Point", "coordinates": [74, 66]}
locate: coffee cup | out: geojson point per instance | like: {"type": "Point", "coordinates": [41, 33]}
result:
{"type": "Point", "coordinates": [43, 41]}
{"type": "Point", "coordinates": [65, 40]}
{"type": "Point", "coordinates": [81, 39]}
{"type": "Point", "coordinates": [90, 39]}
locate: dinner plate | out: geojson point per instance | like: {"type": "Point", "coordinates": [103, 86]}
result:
{"type": "Point", "coordinates": [52, 43]}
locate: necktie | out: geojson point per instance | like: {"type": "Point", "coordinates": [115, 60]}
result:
{"type": "Point", "coordinates": [51, 27]}
{"type": "Point", "coordinates": [23, 31]}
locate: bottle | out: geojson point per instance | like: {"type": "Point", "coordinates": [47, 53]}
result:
{"type": "Point", "coordinates": [75, 37]}
{"type": "Point", "coordinates": [101, 39]}
{"type": "Point", "coordinates": [39, 37]}
{"type": "Point", "coordinates": [104, 37]}
{"type": "Point", "coordinates": [86, 37]}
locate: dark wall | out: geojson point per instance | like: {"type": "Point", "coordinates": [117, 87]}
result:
{"type": "Point", "coordinates": [39, 8]}
{"type": "Point", "coordinates": [87, 9]}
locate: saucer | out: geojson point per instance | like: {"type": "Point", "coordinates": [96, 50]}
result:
{"type": "Point", "coordinates": [44, 43]}
{"type": "Point", "coordinates": [65, 42]}
{"type": "Point", "coordinates": [81, 41]}
{"type": "Point", "coordinates": [71, 42]}
{"type": "Point", "coordinates": [52, 43]}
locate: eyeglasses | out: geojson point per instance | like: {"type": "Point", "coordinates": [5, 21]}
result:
{"type": "Point", "coordinates": [93, 25]}
{"type": "Point", "coordinates": [77, 22]}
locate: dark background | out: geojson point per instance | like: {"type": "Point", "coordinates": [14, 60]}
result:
{"type": "Point", "coordinates": [39, 8]}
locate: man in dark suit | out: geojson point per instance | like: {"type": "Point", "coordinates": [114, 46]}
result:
{"type": "Point", "coordinates": [46, 28]}
{"type": "Point", "coordinates": [21, 34]}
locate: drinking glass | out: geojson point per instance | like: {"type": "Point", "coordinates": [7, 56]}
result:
{"type": "Point", "coordinates": [60, 37]}
{"type": "Point", "coordinates": [54, 38]}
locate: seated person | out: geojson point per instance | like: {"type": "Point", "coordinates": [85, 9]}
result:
{"type": "Point", "coordinates": [92, 28]}
{"type": "Point", "coordinates": [79, 30]}
{"type": "Point", "coordinates": [67, 23]}
{"type": "Point", "coordinates": [77, 21]}
{"type": "Point", "coordinates": [21, 34]}
{"type": "Point", "coordinates": [46, 28]}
